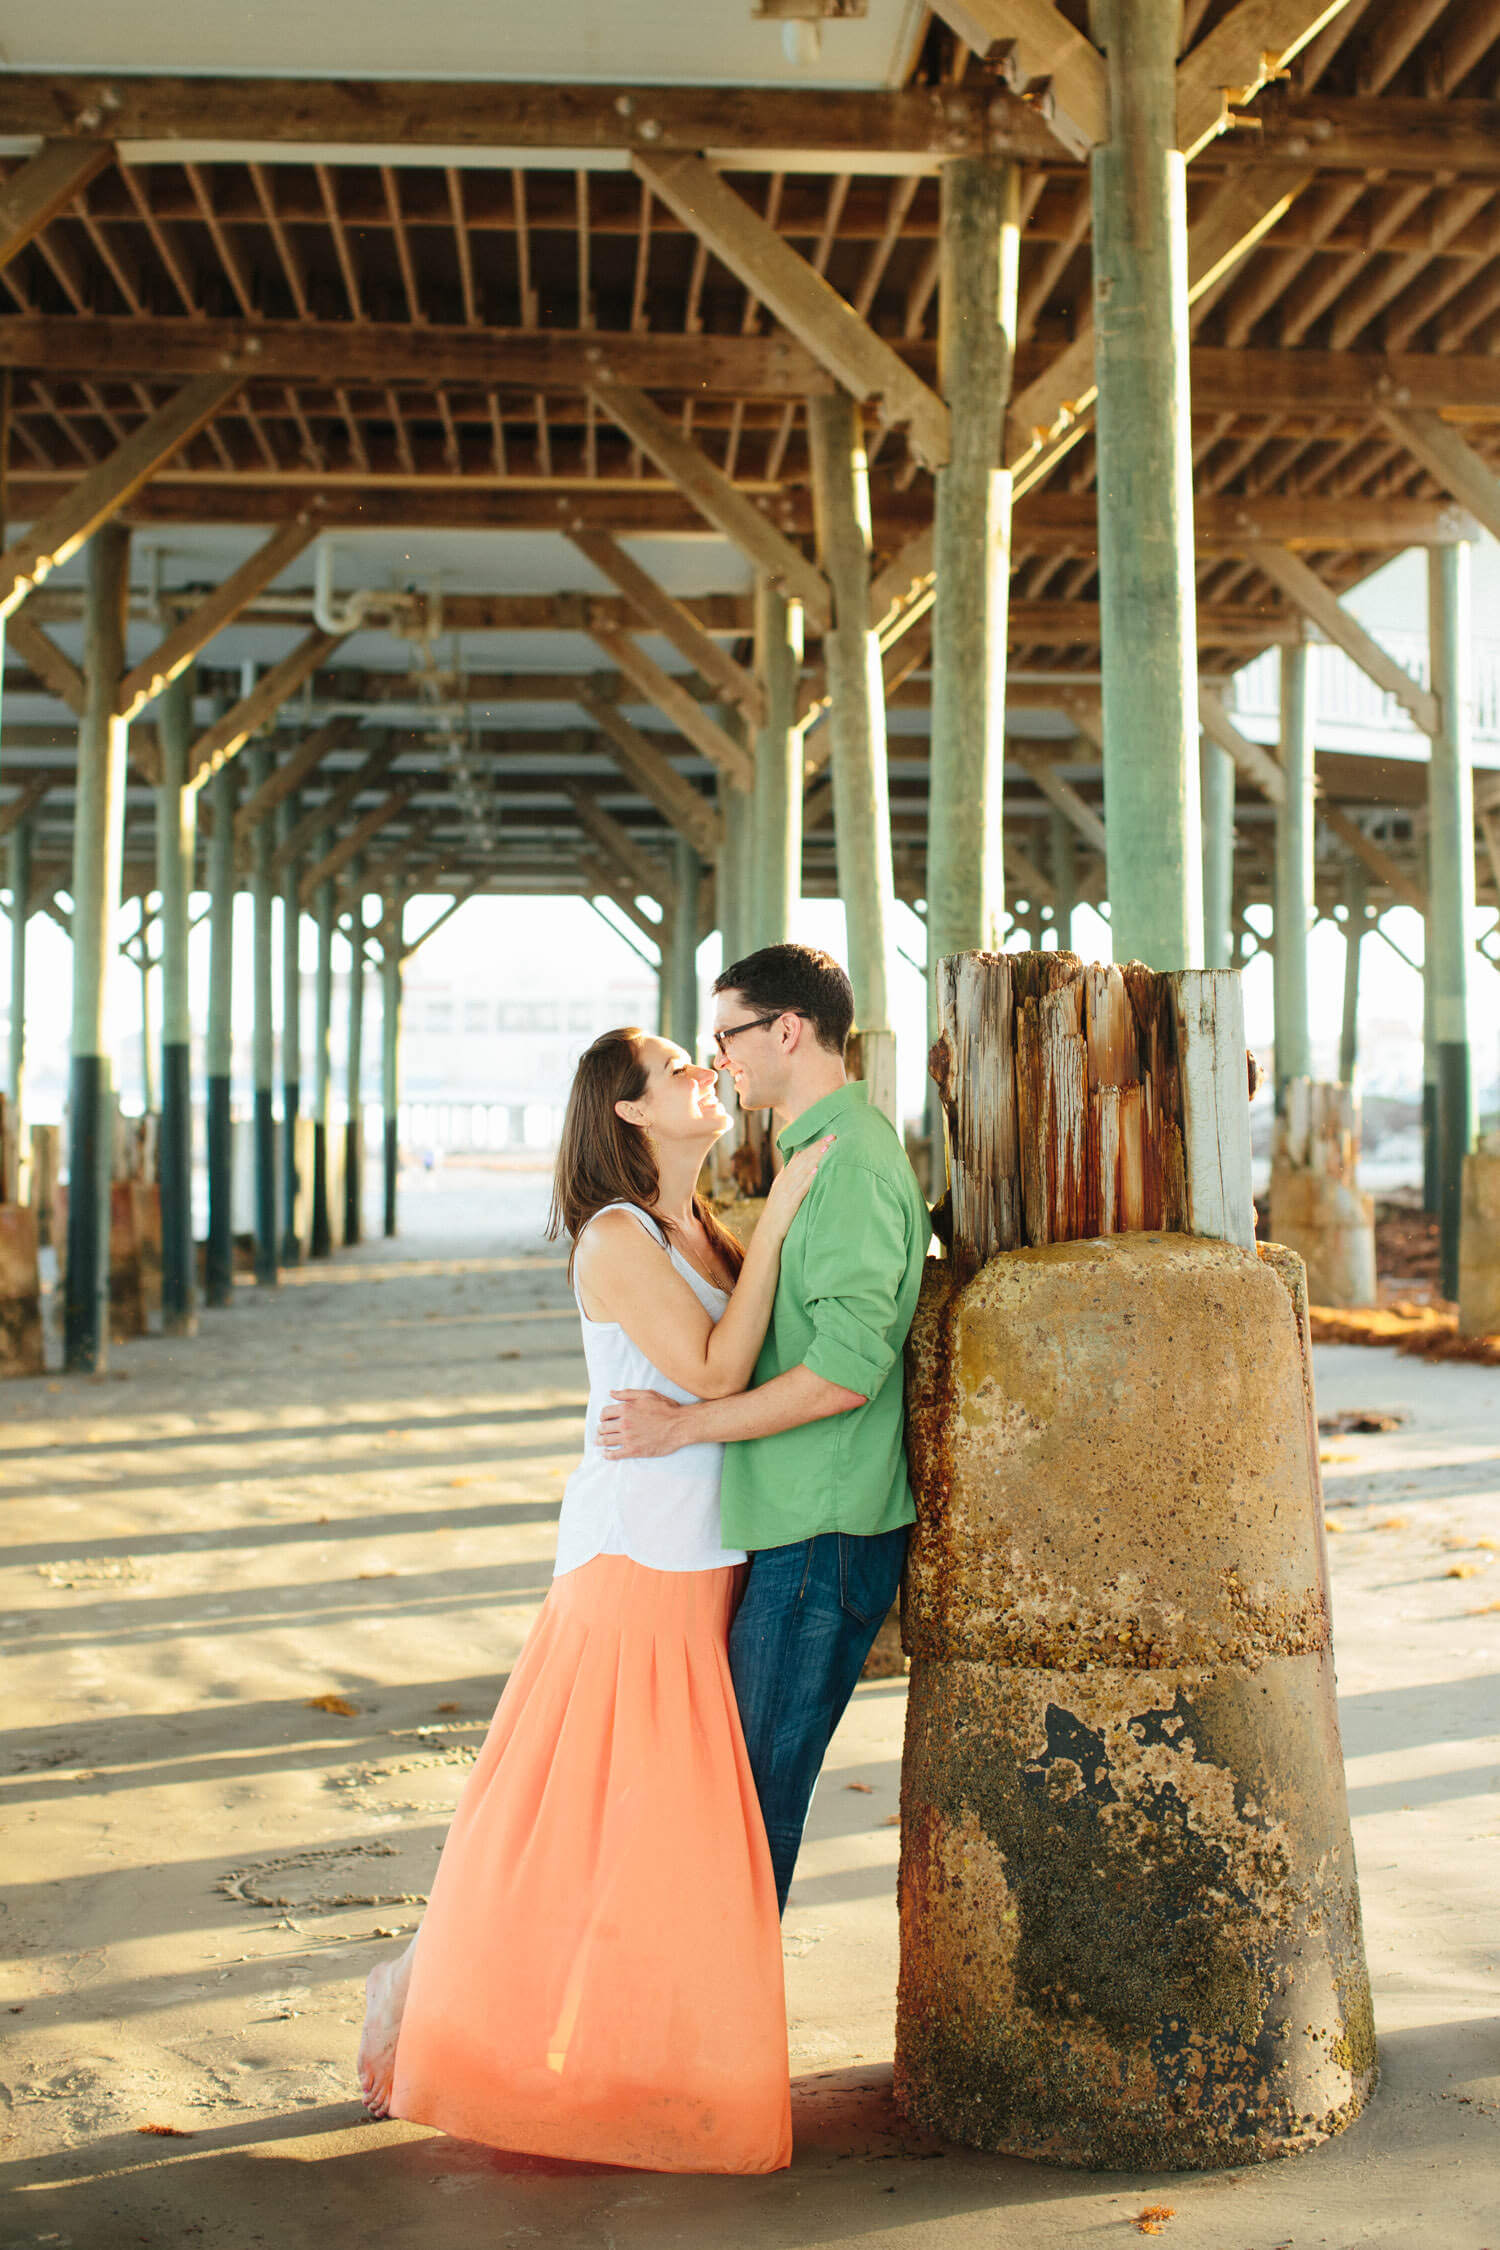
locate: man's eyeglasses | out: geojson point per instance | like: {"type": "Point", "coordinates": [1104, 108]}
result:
{"type": "Point", "coordinates": [751, 1023]}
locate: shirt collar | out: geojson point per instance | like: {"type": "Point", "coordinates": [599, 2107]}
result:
{"type": "Point", "coordinates": [814, 1122]}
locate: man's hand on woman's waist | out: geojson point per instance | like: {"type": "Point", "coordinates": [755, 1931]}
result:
{"type": "Point", "coordinates": [642, 1425]}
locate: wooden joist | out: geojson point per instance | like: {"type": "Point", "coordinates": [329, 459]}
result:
{"type": "Point", "coordinates": [1246, 49]}
{"type": "Point", "coordinates": [1035, 41]}
{"type": "Point", "coordinates": [45, 185]}
{"type": "Point", "coordinates": [822, 321]}
{"type": "Point", "coordinates": [102, 491]}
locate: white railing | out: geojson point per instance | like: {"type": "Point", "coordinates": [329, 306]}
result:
{"type": "Point", "coordinates": [1344, 696]}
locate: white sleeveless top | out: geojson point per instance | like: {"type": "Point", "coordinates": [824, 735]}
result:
{"type": "Point", "coordinates": [664, 1512]}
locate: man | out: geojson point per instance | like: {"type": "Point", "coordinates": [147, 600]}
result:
{"type": "Point", "coordinates": [815, 1483]}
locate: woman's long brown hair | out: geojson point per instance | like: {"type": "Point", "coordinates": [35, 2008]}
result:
{"type": "Point", "coordinates": [601, 1159]}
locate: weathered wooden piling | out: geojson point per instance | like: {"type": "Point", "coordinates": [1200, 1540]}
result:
{"type": "Point", "coordinates": [218, 1264]}
{"type": "Point", "coordinates": [354, 1123]}
{"type": "Point", "coordinates": [1317, 1206]}
{"type": "Point", "coordinates": [392, 972]}
{"type": "Point", "coordinates": [1479, 1242]}
{"type": "Point", "coordinates": [322, 1220]}
{"type": "Point", "coordinates": [21, 1350]}
{"type": "Point", "coordinates": [176, 837]}
{"type": "Point", "coordinates": [263, 1031]}
{"type": "Point", "coordinates": [292, 1197]}
{"type": "Point", "coordinates": [1130, 1927]}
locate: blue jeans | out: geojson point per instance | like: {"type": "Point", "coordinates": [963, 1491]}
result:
{"type": "Point", "coordinates": [800, 1637]}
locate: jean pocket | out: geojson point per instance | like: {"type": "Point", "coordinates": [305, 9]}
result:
{"type": "Point", "coordinates": [870, 1573]}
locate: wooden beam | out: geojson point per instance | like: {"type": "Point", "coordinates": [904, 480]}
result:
{"type": "Point", "coordinates": [657, 779]}
{"type": "Point", "coordinates": [604, 876]}
{"type": "Point", "coordinates": [1036, 41]}
{"type": "Point", "coordinates": [188, 638]}
{"type": "Point", "coordinates": [1232, 523]}
{"type": "Point", "coordinates": [26, 799]}
{"type": "Point", "coordinates": [1246, 49]}
{"type": "Point", "coordinates": [646, 676]}
{"type": "Point", "coordinates": [1378, 860]}
{"type": "Point", "coordinates": [666, 616]}
{"type": "Point", "coordinates": [396, 351]}
{"type": "Point", "coordinates": [1408, 134]}
{"type": "Point", "coordinates": [793, 290]}
{"type": "Point", "coordinates": [59, 675]}
{"type": "Point", "coordinates": [1304, 587]}
{"type": "Point", "coordinates": [45, 185]}
{"type": "Point", "coordinates": [1256, 764]}
{"type": "Point", "coordinates": [58, 534]}
{"type": "Point", "coordinates": [461, 897]}
{"type": "Point", "coordinates": [716, 499]}
{"type": "Point", "coordinates": [334, 861]}
{"type": "Point", "coordinates": [1061, 793]}
{"type": "Point", "coordinates": [900, 592]}
{"type": "Point", "coordinates": [1450, 458]}
{"type": "Point", "coordinates": [228, 735]}
{"type": "Point", "coordinates": [292, 771]}
{"type": "Point", "coordinates": [616, 841]}
{"type": "Point", "coordinates": [865, 129]}
{"type": "Point", "coordinates": [340, 797]}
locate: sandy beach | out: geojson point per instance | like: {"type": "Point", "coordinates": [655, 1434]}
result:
{"type": "Point", "coordinates": [261, 1591]}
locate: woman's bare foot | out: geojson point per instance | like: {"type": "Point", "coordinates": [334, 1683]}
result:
{"type": "Point", "coordinates": [385, 1998]}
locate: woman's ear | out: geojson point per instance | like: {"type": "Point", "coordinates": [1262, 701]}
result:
{"type": "Point", "coordinates": [629, 1112]}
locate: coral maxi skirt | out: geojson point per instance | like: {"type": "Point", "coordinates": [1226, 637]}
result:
{"type": "Point", "coordinates": [598, 1975]}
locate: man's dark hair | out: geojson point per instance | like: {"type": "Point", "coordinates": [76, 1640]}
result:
{"type": "Point", "coordinates": [796, 980]}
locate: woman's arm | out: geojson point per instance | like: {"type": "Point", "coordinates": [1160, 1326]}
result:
{"type": "Point", "coordinates": [628, 1280]}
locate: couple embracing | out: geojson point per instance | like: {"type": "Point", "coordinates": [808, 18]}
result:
{"type": "Point", "coordinates": [598, 1975]}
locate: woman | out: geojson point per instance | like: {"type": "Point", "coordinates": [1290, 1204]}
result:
{"type": "Point", "coordinates": [598, 1975]}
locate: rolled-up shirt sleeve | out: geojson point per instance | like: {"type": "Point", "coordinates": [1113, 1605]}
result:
{"type": "Point", "coordinates": [855, 1263]}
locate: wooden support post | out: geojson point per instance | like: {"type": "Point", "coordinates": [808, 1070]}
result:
{"type": "Point", "coordinates": [861, 803]}
{"type": "Point", "coordinates": [291, 1040]}
{"type": "Point", "coordinates": [98, 844]}
{"type": "Point", "coordinates": [687, 871]}
{"type": "Point", "coordinates": [1294, 868]}
{"type": "Point", "coordinates": [392, 969]}
{"type": "Point", "coordinates": [1356, 889]}
{"type": "Point", "coordinates": [145, 965]}
{"type": "Point", "coordinates": [777, 798]}
{"type": "Point", "coordinates": [732, 874]}
{"type": "Point", "coordinates": [263, 1035]}
{"type": "Point", "coordinates": [1148, 631]}
{"type": "Point", "coordinates": [1062, 855]}
{"type": "Point", "coordinates": [1451, 883]}
{"type": "Point", "coordinates": [1216, 775]}
{"type": "Point", "coordinates": [19, 870]}
{"type": "Point", "coordinates": [176, 842]}
{"type": "Point", "coordinates": [354, 1124]}
{"type": "Point", "coordinates": [218, 1278]}
{"type": "Point", "coordinates": [976, 346]}
{"type": "Point", "coordinates": [1317, 1206]}
{"type": "Point", "coordinates": [322, 1219]}
{"type": "Point", "coordinates": [1088, 1513]}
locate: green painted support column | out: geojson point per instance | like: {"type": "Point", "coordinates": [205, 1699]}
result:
{"type": "Point", "coordinates": [1062, 856]}
{"type": "Point", "coordinates": [1450, 881]}
{"type": "Point", "coordinates": [1429, 1079]}
{"type": "Point", "coordinates": [176, 841]}
{"type": "Point", "coordinates": [861, 800]}
{"type": "Point", "coordinates": [218, 1271]}
{"type": "Point", "coordinates": [291, 1036]}
{"type": "Point", "coordinates": [980, 251]}
{"type": "Point", "coordinates": [354, 1138]}
{"type": "Point", "coordinates": [392, 974]}
{"type": "Point", "coordinates": [777, 796]}
{"type": "Point", "coordinates": [322, 1226]}
{"type": "Point", "coordinates": [98, 846]}
{"type": "Point", "coordinates": [1216, 779]}
{"type": "Point", "coordinates": [1356, 889]}
{"type": "Point", "coordinates": [19, 874]}
{"type": "Point", "coordinates": [687, 871]}
{"type": "Point", "coordinates": [263, 1031]}
{"type": "Point", "coordinates": [735, 919]}
{"type": "Point", "coordinates": [144, 966]}
{"type": "Point", "coordinates": [1294, 869]}
{"type": "Point", "coordinates": [1148, 630]}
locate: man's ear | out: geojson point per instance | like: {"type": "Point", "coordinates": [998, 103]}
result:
{"type": "Point", "coordinates": [791, 1028]}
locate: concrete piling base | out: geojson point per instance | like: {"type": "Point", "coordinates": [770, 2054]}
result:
{"type": "Point", "coordinates": [1130, 1926]}
{"type": "Point", "coordinates": [1479, 1245]}
{"type": "Point", "coordinates": [21, 1351]}
{"type": "Point", "coordinates": [1331, 1226]}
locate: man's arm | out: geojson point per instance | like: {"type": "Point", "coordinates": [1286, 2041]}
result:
{"type": "Point", "coordinates": [643, 1424]}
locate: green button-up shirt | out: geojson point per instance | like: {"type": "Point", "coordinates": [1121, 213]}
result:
{"type": "Point", "coordinates": [851, 1267]}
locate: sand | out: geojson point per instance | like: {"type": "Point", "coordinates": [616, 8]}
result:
{"type": "Point", "coordinates": [348, 1490]}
